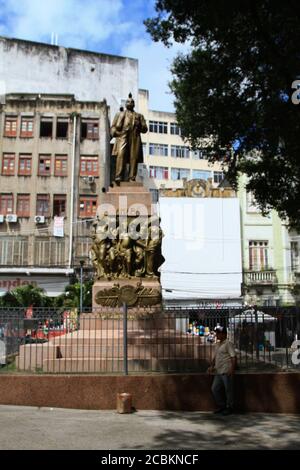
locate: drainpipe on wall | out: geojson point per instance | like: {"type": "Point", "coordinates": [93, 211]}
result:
{"type": "Point", "coordinates": [72, 190]}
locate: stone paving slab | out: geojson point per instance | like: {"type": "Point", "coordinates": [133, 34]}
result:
{"type": "Point", "coordinates": [46, 428]}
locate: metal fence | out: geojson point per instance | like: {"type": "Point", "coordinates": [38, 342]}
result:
{"type": "Point", "coordinates": [142, 340]}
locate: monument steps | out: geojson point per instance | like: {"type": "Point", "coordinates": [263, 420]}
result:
{"type": "Point", "coordinates": [64, 358]}
{"type": "Point", "coordinates": [152, 350]}
{"type": "Point", "coordinates": [90, 322]}
{"type": "Point", "coordinates": [113, 365]}
{"type": "Point", "coordinates": [109, 341]}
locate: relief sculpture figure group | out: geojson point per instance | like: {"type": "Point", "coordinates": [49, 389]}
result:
{"type": "Point", "coordinates": [119, 251]}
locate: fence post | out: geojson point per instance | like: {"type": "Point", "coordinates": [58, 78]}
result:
{"type": "Point", "coordinates": [125, 349]}
{"type": "Point", "coordinates": [256, 332]}
{"type": "Point", "coordinates": [81, 286]}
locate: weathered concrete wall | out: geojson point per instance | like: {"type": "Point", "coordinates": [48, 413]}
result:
{"type": "Point", "coordinates": [269, 393]}
{"type": "Point", "coordinates": [30, 67]}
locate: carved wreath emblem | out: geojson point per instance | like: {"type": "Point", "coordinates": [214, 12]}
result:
{"type": "Point", "coordinates": [131, 295]}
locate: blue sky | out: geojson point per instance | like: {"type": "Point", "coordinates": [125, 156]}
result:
{"type": "Point", "coordinates": [108, 26]}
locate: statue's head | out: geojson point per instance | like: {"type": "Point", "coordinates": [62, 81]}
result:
{"type": "Point", "coordinates": [130, 103]}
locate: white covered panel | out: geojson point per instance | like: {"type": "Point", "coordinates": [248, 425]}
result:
{"type": "Point", "coordinates": [202, 248]}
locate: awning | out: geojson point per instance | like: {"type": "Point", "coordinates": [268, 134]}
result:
{"type": "Point", "coordinates": [249, 316]}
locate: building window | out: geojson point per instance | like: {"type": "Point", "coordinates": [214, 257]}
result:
{"type": "Point", "coordinates": [6, 204]}
{"type": "Point", "coordinates": [258, 255]}
{"type": "Point", "coordinates": [62, 127]}
{"type": "Point", "coordinates": [159, 127]}
{"type": "Point", "coordinates": [90, 130]}
{"type": "Point", "coordinates": [89, 166]}
{"type": "Point", "coordinates": [10, 126]}
{"type": "Point", "coordinates": [14, 251]}
{"type": "Point", "coordinates": [179, 173]}
{"type": "Point", "coordinates": [201, 175]}
{"type": "Point", "coordinates": [61, 165]}
{"type": "Point", "coordinates": [46, 127]}
{"type": "Point", "coordinates": [159, 150]}
{"type": "Point", "coordinates": [218, 176]}
{"type": "Point", "coordinates": [8, 164]}
{"type": "Point", "coordinates": [295, 256]}
{"type": "Point", "coordinates": [159, 172]}
{"type": "Point", "coordinates": [43, 205]}
{"type": "Point", "coordinates": [175, 129]}
{"type": "Point", "coordinates": [82, 247]}
{"type": "Point", "coordinates": [87, 206]}
{"type": "Point", "coordinates": [200, 154]}
{"type": "Point", "coordinates": [49, 252]}
{"type": "Point", "coordinates": [180, 151]}
{"type": "Point", "coordinates": [26, 127]}
{"type": "Point", "coordinates": [25, 165]}
{"type": "Point", "coordinates": [144, 148]}
{"type": "Point", "coordinates": [44, 165]}
{"type": "Point", "coordinates": [59, 205]}
{"type": "Point", "coordinates": [23, 205]}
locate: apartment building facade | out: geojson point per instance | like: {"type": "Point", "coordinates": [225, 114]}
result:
{"type": "Point", "coordinates": [271, 255]}
{"type": "Point", "coordinates": [54, 157]}
{"type": "Point", "coordinates": [168, 161]}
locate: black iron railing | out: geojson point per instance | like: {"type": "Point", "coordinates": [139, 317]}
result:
{"type": "Point", "coordinates": [44, 340]}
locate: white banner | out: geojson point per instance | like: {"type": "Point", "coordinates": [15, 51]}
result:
{"type": "Point", "coordinates": [58, 227]}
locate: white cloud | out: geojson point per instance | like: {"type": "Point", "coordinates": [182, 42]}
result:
{"type": "Point", "coordinates": [155, 61]}
{"type": "Point", "coordinates": [110, 26]}
{"type": "Point", "coordinates": [78, 23]}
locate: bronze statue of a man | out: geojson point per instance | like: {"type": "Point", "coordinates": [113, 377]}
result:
{"type": "Point", "coordinates": [127, 127]}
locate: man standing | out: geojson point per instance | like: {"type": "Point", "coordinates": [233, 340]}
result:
{"type": "Point", "coordinates": [127, 127]}
{"type": "Point", "coordinates": [223, 364]}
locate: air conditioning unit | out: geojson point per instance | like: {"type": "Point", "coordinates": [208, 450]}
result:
{"type": "Point", "coordinates": [11, 218]}
{"type": "Point", "coordinates": [1, 219]}
{"type": "Point", "coordinates": [39, 219]}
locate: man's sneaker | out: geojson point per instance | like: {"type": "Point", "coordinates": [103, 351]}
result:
{"type": "Point", "coordinates": [219, 411]}
{"type": "Point", "coordinates": [227, 412]}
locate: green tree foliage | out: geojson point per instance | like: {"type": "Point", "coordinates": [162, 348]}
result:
{"type": "Point", "coordinates": [71, 297]}
{"type": "Point", "coordinates": [26, 296]}
{"type": "Point", "coordinates": [235, 84]}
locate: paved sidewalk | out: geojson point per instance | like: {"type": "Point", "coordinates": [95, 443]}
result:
{"type": "Point", "coordinates": [46, 428]}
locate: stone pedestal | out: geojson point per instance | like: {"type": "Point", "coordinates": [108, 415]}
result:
{"type": "Point", "coordinates": [137, 293]}
{"type": "Point", "coordinates": [154, 344]}
{"type": "Point", "coordinates": [127, 199]}
{"type": "Point", "coordinates": [127, 249]}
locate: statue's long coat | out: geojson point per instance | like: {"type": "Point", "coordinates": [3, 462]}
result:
{"type": "Point", "coordinates": [126, 128]}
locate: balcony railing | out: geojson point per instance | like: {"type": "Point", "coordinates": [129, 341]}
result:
{"type": "Point", "coordinates": [266, 277]}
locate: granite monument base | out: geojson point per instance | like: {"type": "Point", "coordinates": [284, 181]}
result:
{"type": "Point", "coordinates": [142, 295]}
